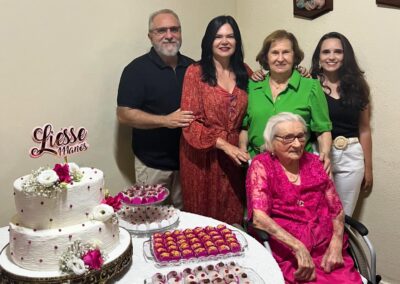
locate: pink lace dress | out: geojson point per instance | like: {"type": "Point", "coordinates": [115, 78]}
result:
{"type": "Point", "coordinates": [305, 211]}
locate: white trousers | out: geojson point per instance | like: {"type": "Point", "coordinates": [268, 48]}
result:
{"type": "Point", "coordinates": [171, 179]}
{"type": "Point", "coordinates": [348, 174]}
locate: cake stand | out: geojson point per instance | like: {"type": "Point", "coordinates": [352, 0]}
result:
{"type": "Point", "coordinates": [147, 225]}
{"type": "Point", "coordinates": [118, 260]}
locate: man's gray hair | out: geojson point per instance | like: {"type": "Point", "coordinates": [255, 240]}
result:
{"type": "Point", "coordinates": [274, 121]}
{"type": "Point", "coordinates": [163, 11]}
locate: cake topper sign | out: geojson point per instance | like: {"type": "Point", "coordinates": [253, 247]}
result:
{"type": "Point", "coordinates": [62, 143]}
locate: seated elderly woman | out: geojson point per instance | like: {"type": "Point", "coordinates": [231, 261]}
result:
{"type": "Point", "coordinates": [291, 197]}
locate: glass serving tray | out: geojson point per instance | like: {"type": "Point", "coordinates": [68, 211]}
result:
{"type": "Point", "coordinates": [150, 256]}
{"type": "Point", "coordinates": [146, 232]}
{"type": "Point", "coordinates": [252, 277]}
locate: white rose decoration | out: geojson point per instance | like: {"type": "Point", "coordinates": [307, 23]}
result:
{"type": "Point", "coordinates": [102, 212]}
{"type": "Point", "coordinates": [76, 265]}
{"type": "Point", "coordinates": [73, 167]}
{"type": "Point", "coordinates": [47, 178]}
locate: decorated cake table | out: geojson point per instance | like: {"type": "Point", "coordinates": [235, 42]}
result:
{"type": "Point", "coordinates": [256, 256]}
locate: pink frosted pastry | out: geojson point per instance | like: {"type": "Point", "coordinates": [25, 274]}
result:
{"type": "Point", "coordinates": [197, 230]}
{"type": "Point", "coordinates": [209, 228]}
{"type": "Point", "coordinates": [196, 246]}
{"type": "Point", "coordinates": [219, 242]}
{"type": "Point", "coordinates": [213, 233]}
{"type": "Point", "coordinates": [175, 255]}
{"type": "Point", "coordinates": [224, 249]}
{"type": "Point", "coordinates": [232, 264]}
{"type": "Point", "coordinates": [164, 256]}
{"type": "Point", "coordinates": [205, 281]}
{"type": "Point", "coordinates": [235, 247]}
{"type": "Point", "coordinates": [187, 253]}
{"type": "Point", "coordinates": [220, 227]}
{"type": "Point", "coordinates": [212, 250]}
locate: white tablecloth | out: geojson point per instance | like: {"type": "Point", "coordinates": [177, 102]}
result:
{"type": "Point", "coordinates": [256, 256]}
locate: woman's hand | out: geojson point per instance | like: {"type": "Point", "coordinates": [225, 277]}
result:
{"type": "Point", "coordinates": [303, 71]}
{"type": "Point", "coordinates": [368, 181]}
{"type": "Point", "coordinates": [238, 155]}
{"type": "Point", "coordinates": [333, 258]}
{"type": "Point", "coordinates": [258, 75]}
{"type": "Point", "coordinates": [305, 265]}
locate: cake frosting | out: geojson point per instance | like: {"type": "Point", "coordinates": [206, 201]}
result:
{"type": "Point", "coordinates": [54, 212]}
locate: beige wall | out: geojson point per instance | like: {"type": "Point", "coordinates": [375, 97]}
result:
{"type": "Point", "coordinates": [60, 62]}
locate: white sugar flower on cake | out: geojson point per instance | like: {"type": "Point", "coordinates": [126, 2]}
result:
{"type": "Point", "coordinates": [47, 178]}
{"type": "Point", "coordinates": [81, 257]}
{"type": "Point", "coordinates": [47, 182]}
{"type": "Point", "coordinates": [76, 265]}
{"type": "Point", "coordinates": [102, 212]}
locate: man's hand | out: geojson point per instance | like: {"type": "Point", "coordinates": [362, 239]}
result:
{"type": "Point", "coordinates": [178, 119]}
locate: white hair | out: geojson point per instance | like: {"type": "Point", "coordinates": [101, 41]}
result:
{"type": "Point", "coordinates": [274, 121]}
{"type": "Point", "coordinates": [163, 11]}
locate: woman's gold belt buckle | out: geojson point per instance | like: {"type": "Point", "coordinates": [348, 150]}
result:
{"type": "Point", "coordinates": [340, 142]}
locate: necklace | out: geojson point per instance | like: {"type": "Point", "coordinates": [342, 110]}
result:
{"type": "Point", "coordinates": [276, 85]}
{"type": "Point", "coordinates": [293, 180]}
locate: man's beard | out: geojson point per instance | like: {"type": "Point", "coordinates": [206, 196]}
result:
{"type": "Point", "coordinates": [170, 50]}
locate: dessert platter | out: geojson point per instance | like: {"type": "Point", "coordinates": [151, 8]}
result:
{"type": "Point", "coordinates": [144, 195]}
{"type": "Point", "coordinates": [142, 214]}
{"type": "Point", "coordinates": [219, 273]}
{"type": "Point", "coordinates": [194, 245]}
{"type": "Point", "coordinates": [65, 229]}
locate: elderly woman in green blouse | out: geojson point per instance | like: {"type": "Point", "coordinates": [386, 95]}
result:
{"type": "Point", "coordinates": [284, 90]}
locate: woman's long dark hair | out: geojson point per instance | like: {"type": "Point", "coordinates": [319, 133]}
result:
{"type": "Point", "coordinates": [353, 88]}
{"type": "Point", "coordinates": [236, 61]}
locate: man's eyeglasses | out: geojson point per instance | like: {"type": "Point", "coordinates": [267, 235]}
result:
{"type": "Point", "coordinates": [291, 137]}
{"type": "Point", "coordinates": [164, 30]}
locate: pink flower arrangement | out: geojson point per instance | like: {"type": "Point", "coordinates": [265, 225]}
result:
{"type": "Point", "coordinates": [93, 259]}
{"type": "Point", "coordinates": [114, 202]}
{"type": "Point", "coordinates": [63, 172]}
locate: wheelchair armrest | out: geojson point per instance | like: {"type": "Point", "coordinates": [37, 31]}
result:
{"type": "Point", "coordinates": [259, 234]}
{"type": "Point", "coordinates": [359, 227]}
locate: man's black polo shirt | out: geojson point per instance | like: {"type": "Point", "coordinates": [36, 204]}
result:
{"type": "Point", "coordinates": [150, 85]}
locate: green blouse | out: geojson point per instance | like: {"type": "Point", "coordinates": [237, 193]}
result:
{"type": "Point", "coordinates": [302, 96]}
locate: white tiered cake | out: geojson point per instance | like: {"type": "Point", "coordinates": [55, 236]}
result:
{"type": "Point", "coordinates": [56, 214]}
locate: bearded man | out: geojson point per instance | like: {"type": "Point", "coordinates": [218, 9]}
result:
{"type": "Point", "coordinates": [148, 100]}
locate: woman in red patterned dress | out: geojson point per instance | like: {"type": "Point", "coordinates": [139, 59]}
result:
{"type": "Point", "coordinates": [210, 156]}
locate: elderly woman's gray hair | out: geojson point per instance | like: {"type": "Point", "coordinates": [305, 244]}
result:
{"type": "Point", "coordinates": [274, 121]}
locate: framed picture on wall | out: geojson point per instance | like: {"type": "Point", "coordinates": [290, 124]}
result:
{"type": "Point", "coordinates": [394, 3]}
{"type": "Point", "coordinates": [311, 9]}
